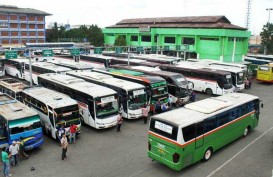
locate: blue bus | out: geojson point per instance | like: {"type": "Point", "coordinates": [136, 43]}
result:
{"type": "Point", "coordinates": [19, 121]}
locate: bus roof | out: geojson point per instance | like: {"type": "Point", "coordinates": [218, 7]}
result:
{"type": "Point", "coordinates": [108, 79]}
{"type": "Point", "coordinates": [13, 84]}
{"type": "Point", "coordinates": [98, 56]}
{"type": "Point", "coordinates": [71, 64]}
{"type": "Point", "coordinates": [225, 68]}
{"type": "Point", "coordinates": [79, 84]}
{"type": "Point", "coordinates": [21, 60]}
{"type": "Point", "coordinates": [50, 97]}
{"type": "Point", "coordinates": [12, 109]}
{"type": "Point", "coordinates": [51, 66]}
{"type": "Point", "coordinates": [198, 111]}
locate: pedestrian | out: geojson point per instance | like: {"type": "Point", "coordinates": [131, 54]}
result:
{"type": "Point", "coordinates": [249, 83]}
{"type": "Point", "coordinates": [246, 83]}
{"type": "Point", "coordinates": [5, 160]}
{"type": "Point", "coordinates": [14, 150]}
{"type": "Point", "coordinates": [170, 100]}
{"type": "Point", "coordinates": [61, 131]}
{"type": "Point", "coordinates": [145, 113]}
{"type": "Point", "coordinates": [64, 145]}
{"type": "Point", "coordinates": [22, 153]}
{"type": "Point", "coordinates": [72, 135]}
{"type": "Point", "coordinates": [119, 121]}
{"type": "Point", "coordinates": [152, 109]}
{"type": "Point", "coordinates": [158, 107]}
{"type": "Point", "coordinates": [164, 107]}
{"type": "Point", "coordinates": [193, 96]}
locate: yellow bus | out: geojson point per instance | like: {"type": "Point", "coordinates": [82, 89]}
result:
{"type": "Point", "coordinates": [265, 73]}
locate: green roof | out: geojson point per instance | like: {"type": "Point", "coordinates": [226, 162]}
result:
{"type": "Point", "coordinates": [127, 72]}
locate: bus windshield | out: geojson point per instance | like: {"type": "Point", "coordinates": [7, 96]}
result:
{"type": "Point", "coordinates": [23, 125]}
{"type": "Point", "coordinates": [240, 78]}
{"type": "Point", "coordinates": [228, 82]}
{"type": "Point", "coordinates": [67, 115]}
{"type": "Point", "coordinates": [137, 99]}
{"type": "Point", "coordinates": [180, 81]}
{"type": "Point", "coordinates": [106, 107]}
{"type": "Point", "coordinates": [264, 68]}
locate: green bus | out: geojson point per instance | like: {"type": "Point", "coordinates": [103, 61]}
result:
{"type": "Point", "coordinates": [187, 135]}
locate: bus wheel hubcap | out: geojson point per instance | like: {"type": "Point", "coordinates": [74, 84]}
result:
{"type": "Point", "coordinates": [208, 154]}
{"type": "Point", "coordinates": [246, 132]}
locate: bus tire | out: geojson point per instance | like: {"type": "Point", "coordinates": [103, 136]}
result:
{"type": "Point", "coordinates": [45, 60]}
{"type": "Point", "coordinates": [246, 131]}
{"type": "Point", "coordinates": [207, 154]}
{"type": "Point", "coordinates": [17, 76]}
{"type": "Point", "coordinates": [209, 91]}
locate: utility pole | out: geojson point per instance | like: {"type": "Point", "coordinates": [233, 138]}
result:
{"type": "Point", "coordinates": [248, 13]}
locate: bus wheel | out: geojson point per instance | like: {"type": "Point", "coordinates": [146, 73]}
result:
{"type": "Point", "coordinates": [209, 91]}
{"type": "Point", "coordinates": [246, 131]}
{"type": "Point", "coordinates": [44, 60]}
{"type": "Point", "coordinates": [17, 76]}
{"type": "Point", "coordinates": [207, 154]}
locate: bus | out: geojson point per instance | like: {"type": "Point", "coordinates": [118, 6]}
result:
{"type": "Point", "coordinates": [72, 65]}
{"type": "Point", "coordinates": [12, 87]}
{"type": "Point", "coordinates": [204, 80]}
{"type": "Point", "coordinates": [19, 68]}
{"type": "Point", "coordinates": [98, 105]}
{"type": "Point", "coordinates": [265, 73]}
{"type": "Point", "coordinates": [19, 121]}
{"type": "Point", "coordinates": [187, 135]}
{"type": "Point", "coordinates": [178, 86]}
{"type": "Point", "coordinates": [254, 63]}
{"type": "Point", "coordinates": [156, 86]}
{"type": "Point", "coordinates": [37, 56]}
{"type": "Point", "coordinates": [132, 96]}
{"type": "Point", "coordinates": [133, 62]}
{"type": "Point", "coordinates": [263, 57]}
{"type": "Point", "coordinates": [67, 62]}
{"type": "Point", "coordinates": [54, 108]}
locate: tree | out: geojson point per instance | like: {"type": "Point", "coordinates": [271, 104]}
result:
{"type": "Point", "coordinates": [95, 36]}
{"type": "Point", "coordinates": [267, 38]}
{"type": "Point", "coordinates": [120, 41]}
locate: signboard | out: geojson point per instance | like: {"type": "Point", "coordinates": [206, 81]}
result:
{"type": "Point", "coordinates": [154, 49]}
{"type": "Point", "coordinates": [108, 99]}
{"type": "Point", "coordinates": [158, 84]}
{"type": "Point", "coordinates": [143, 29]}
{"type": "Point", "coordinates": [10, 54]}
{"type": "Point", "coordinates": [140, 49]}
{"type": "Point", "coordinates": [75, 51]}
{"type": "Point", "coordinates": [166, 48]}
{"type": "Point", "coordinates": [163, 127]}
{"type": "Point", "coordinates": [47, 53]}
{"type": "Point", "coordinates": [178, 47]}
{"type": "Point", "coordinates": [118, 50]}
{"type": "Point", "coordinates": [98, 50]}
{"type": "Point", "coordinates": [138, 92]}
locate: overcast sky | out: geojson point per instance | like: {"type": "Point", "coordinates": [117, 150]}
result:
{"type": "Point", "coordinates": [108, 12]}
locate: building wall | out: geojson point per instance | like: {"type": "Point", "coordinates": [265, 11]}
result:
{"type": "Point", "coordinates": [17, 29]}
{"type": "Point", "coordinates": [219, 44]}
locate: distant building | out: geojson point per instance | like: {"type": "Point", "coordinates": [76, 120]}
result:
{"type": "Point", "coordinates": [21, 25]}
{"type": "Point", "coordinates": [51, 25]}
{"type": "Point", "coordinates": [255, 44]}
{"type": "Point", "coordinates": [208, 37]}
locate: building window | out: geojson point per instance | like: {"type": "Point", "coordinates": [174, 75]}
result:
{"type": "Point", "coordinates": [209, 39]}
{"type": "Point", "coordinates": [146, 38]}
{"type": "Point", "coordinates": [230, 39]}
{"type": "Point", "coordinates": [188, 41]}
{"type": "Point", "coordinates": [134, 38]}
{"type": "Point", "coordinates": [170, 40]}
{"type": "Point", "coordinates": [3, 25]}
{"type": "Point", "coordinates": [110, 34]}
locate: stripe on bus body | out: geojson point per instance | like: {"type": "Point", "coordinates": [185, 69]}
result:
{"type": "Point", "coordinates": [206, 134]}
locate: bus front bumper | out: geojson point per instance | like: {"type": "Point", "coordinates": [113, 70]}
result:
{"type": "Point", "coordinates": [37, 144]}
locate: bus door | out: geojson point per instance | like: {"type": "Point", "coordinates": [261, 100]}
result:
{"type": "Point", "coordinates": [199, 138]}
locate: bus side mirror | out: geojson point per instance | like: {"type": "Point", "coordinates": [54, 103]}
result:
{"type": "Point", "coordinates": [262, 105]}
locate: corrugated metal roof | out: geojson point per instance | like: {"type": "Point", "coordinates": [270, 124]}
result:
{"type": "Point", "coordinates": [178, 22]}
{"type": "Point", "coordinates": [14, 9]}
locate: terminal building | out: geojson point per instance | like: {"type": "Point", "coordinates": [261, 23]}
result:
{"type": "Point", "coordinates": [21, 25]}
{"type": "Point", "coordinates": [203, 37]}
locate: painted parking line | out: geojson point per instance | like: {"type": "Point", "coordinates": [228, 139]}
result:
{"type": "Point", "coordinates": [224, 164]}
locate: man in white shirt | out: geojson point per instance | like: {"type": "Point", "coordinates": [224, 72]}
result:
{"type": "Point", "coordinates": [14, 149]}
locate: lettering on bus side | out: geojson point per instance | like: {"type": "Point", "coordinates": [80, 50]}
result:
{"type": "Point", "coordinates": [158, 84]}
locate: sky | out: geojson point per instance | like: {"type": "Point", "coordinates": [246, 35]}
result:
{"type": "Point", "coordinates": [108, 12]}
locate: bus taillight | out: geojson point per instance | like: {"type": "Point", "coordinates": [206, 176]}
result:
{"type": "Point", "coordinates": [176, 157]}
{"type": "Point", "coordinates": [149, 146]}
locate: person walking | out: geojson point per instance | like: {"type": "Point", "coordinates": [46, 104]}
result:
{"type": "Point", "coordinates": [170, 101]}
{"type": "Point", "coordinates": [193, 96]}
{"type": "Point", "coordinates": [73, 131]}
{"type": "Point", "coordinates": [64, 145]}
{"type": "Point", "coordinates": [145, 113]}
{"type": "Point", "coordinates": [249, 83]}
{"type": "Point", "coordinates": [152, 109]}
{"type": "Point", "coordinates": [5, 159]}
{"type": "Point", "coordinates": [61, 131]}
{"type": "Point", "coordinates": [158, 107]}
{"type": "Point", "coordinates": [120, 120]}
{"type": "Point", "coordinates": [14, 150]}
{"type": "Point", "coordinates": [22, 153]}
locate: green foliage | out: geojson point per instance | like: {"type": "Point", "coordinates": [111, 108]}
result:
{"type": "Point", "coordinates": [267, 37]}
{"type": "Point", "coordinates": [93, 34]}
{"type": "Point", "coordinates": [120, 41]}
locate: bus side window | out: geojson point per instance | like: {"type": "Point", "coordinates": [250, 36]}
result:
{"type": "Point", "coordinates": [232, 115]}
{"type": "Point", "coordinates": [210, 124]}
{"type": "Point", "coordinates": [189, 132]}
{"type": "Point", "coordinates": [199, 129]}
{"type": "Point", "coordinates": [222, 119]}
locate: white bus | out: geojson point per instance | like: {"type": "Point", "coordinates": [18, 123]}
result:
{"type": "Point", "coordinates": [132, 96]}
{"type": "Point", "coordinates": [98, 104]}
{"type": "Point", "coordinates": [2, 67]}
{"type": "Point", "coordinates": [54, 108]}
{"type": "Point", "coordinates": [205, 80]}
{"type": "Point", "coordinates": [73, 65]}
{"type": "Point", "coordinates": [16, 67]}
{"type": "Point", "coordinates": [37, 56]}
{"type": "Point", "coordinates": [12, 87]}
